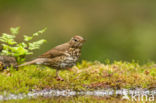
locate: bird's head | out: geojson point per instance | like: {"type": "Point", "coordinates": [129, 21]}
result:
{"type": "Point", "coordinates": [77, 41]}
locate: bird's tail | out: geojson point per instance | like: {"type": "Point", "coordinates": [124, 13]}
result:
{"type": "Point", "coordinates": [35, 61]}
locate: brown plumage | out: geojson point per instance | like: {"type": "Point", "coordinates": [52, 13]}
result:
{"type": "Point", "coordinates": [62, 56]}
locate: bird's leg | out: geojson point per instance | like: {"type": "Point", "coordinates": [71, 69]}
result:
{"type": "Point", "coordinates": [57, 76]}
{"type": "Point", "coordinates": [76, 69]}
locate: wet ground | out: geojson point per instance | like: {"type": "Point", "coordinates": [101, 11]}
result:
{"type": "Point", "coordinates": [57, 96]}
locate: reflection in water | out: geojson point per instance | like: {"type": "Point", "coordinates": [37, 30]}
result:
{"type": "Point", "coordinates": [68, 93]}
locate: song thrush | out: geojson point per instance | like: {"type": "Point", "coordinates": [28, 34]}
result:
{"type": "Point", "coordinates": [62, 56]}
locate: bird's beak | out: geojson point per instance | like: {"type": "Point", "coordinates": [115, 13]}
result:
{"type": "Point", "coordinates": [84, 40]}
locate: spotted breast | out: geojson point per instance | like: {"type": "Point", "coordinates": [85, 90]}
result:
{"type": "Point", "coordinates": [71, 59]}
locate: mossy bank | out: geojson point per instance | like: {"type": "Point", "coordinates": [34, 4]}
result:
{"type": "Point", "coordinates": [84, 76]}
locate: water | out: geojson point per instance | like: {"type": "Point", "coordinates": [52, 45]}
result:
{"type": "Point", "coordinates": [69, 93]}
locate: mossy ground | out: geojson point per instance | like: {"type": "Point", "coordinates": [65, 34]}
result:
{"type": "Point", "coordinates": [84, 76]}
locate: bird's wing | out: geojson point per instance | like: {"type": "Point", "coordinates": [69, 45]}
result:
{"type": "Point", "coordinates": [57, 51]}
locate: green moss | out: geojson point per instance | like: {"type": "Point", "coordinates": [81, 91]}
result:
{"type": "Point", "coordinates": [84, 76]}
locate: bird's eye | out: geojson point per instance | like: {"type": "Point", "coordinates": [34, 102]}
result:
{"type": "Point", "coordinates": [75, 40]}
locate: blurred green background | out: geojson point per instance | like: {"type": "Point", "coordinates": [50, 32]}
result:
{"type": "Point", "coordinates": [114, 29]}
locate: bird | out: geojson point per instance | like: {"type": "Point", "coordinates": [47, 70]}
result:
{"type": "Point", "coordinates": [61, 57]}
{"type": "Point", "coordinates": [7, 61]}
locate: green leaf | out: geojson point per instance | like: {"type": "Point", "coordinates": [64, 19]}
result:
{"type": "Point", "coordinates": [7, 36]}
{"type": "Point", "coordinates": [5, 52]}
{"type": "Point", "coordinates": [22, 59]}
{"type": "Point", "coordinates": [36, 45]}
{"type": "Point", "coordinates": [11, 42]}
{"type": "Point", "coordinates": [36, 34]}
{"type": "Point", "coordinates": [27, 38]}
{"type": "Point", "coordinates": [43, 30]}
{"type": "Point", "coordinates": [40, 32]}
{"type": "Point", "coordinates": [14, 30]}
{"type": "Point", "coordinates": [19, 50]}
{"type": "Point", "coordinates": [5, 46]}
{"type": "Point", "coordinates": [24, 45]}
{"type": "Point", "coordinates": [9, 39]}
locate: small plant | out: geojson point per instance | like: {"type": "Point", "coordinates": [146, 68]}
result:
{"type": "Point", "coordinates": [20, 49]}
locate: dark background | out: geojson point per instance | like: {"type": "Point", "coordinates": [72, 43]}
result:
{"type": "Point", "coordinates": [114, 29]}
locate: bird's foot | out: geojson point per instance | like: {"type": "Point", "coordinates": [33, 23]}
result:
{"type": "Point", "coordinates": [76, 69]}
{"type": "Point", "coordinates": [59, 79]}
